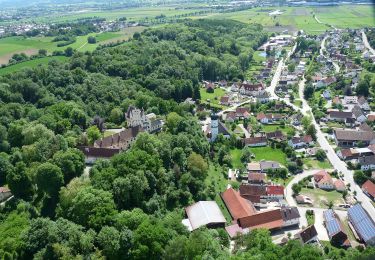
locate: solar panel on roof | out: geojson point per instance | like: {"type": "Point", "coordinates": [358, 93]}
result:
{"type": "Point", "coordinates": [333, 227]}
{"type": "Point", "coordinates": [362, 222]}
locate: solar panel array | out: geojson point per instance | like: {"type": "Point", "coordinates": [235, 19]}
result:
{"type": "Point", "coordinates": [362, 222]}
{"type": "Point", "coordinates": [332, 223]}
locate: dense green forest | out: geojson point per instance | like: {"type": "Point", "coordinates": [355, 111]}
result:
{"type": "Point", "coordinates": [130, 207]}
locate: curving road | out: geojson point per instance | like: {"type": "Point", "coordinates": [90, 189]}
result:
{"type": "Point", "coordinates": [366, 43]}
{"type": "Point", "coordinates": [321, 51]}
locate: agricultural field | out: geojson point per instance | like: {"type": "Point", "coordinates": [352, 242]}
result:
{"type": "Point", "coordinates": [30, 64]}
{"type": "Point", "coordinates": [17, 44]}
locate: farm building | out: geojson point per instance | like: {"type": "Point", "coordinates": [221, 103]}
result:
{"type": "Point", "coordinates": [362, 223]}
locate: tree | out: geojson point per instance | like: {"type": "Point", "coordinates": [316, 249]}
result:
{"type": "Point", "coordinates": [116, 116]}
{"type": "Point", "coordinates": [5, 168]}
{"type": "Point", "coordinates": [308, 92]}
{"type": "Point", "coordinates": [320, 155]}
{"type": "Point", "coordinates": [71, 163]}
{"type": "Point", "coordinates": [311, 130]}
{"type": "Point", "coordinates": [42, 52]}
{"type": "Point", "coordinates": [363, 88]}
{"type": "Point", "coordinates": [91, 39]}
{"type": "Point", "coordinates": [359, 177]}
{"type": "Point", "coordinates": [69, 52]}
{"type": "Point", "coordinates": [93, 134]}
{"type": "Point", "coordinates": [49, 178]}
{"type": "Point", "coordinates": [20, 182]}
{"type": "Point", "coordinates": [173, 120]}
{"type": "Point", "coordinates": [296, 188]}
{"type": "Point", "coordinates": [197, 166]}
{"type": "Point", "coordinates": [291, 67]}
{"type": "Point", "coordinates": [109, 241]}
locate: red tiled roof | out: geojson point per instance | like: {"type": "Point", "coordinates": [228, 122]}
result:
{"type": "Point", "coordinates": [238, 207]}
{"type": "Point", "coordinates": [255, 176]}
{"type": "Point", "coordinates": [369, 187]}
{"type": "Point", "coordinates": [307, 139]}
{"type": "Point", "coordinates": [319, 175]}
{"type": "Point", "coordinates": [275, 190]}
{"type": "Point", "coordinates": [339, 184]}
{"type": "Point", "coordinates": [266, 219]}
{"type": "Point", "coordinates": [326, 178]}
{"type": "Point", "coordinates": [371, 118]}
{"type": "Point", "coordinates": [261, 116]}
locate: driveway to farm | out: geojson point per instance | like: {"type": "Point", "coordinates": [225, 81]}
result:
{"type": "Point", "coordinates": [366, 43]}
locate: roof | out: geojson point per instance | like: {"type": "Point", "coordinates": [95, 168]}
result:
{"type": "Point", "coordinates": [339, 184]}
{"type": "Point", "coordinates": [223, 129]}
{"type": "Point", "coordinates": [275, 135]}
{"type": "Point", "coordinates": [118, 140]}
{"type": "Point", "coordinates": [362, 222]}
{"type": "Point", "coordinates": [265, 165]}
{"type": "Point", "coordinates": [203, 213]}
{"type": "Point", "coordinates": [353, 135]}
{"type": "Point", "coordinates": [367, 160]}
{"type": "Point", "coordinates": [369, 187]}
{"type": "Point", "coordinates": [307, 234]}
{"type": "Point", "coordinates": [98, 152]}
{"type": "Point", "coordinates": [326, 179]}
{"type": "Point", "coordinates": [237, 206]}
{"type": "Point", "coordinates": [365, 127]}
{"type": "Point", "coordinates": [319, 175]}
{"type": "Point", "coordinates": [253, 176]}
{"type": "Point", "coordinates": [255, 140]}
{"type": "Point", "coordinates": [271, 219]}
{"type": "Point", "coordinates": [253, 166]}
{"type": "Point", "coordinates": [234, 230]}
{"type": "Point", "coordinates": [251, 190]}
{"type": "Point", "coordinates": [289, 213]}
{"type": "Point", "coordinates": [340, 114]}
{"type": "Point", "coordinates": [332, 223]}
{"type": "Point", "coordinates": [275, 190]}
{"type": "Point", "coordinates": [371, 117]}
{"type": "Point", "coordinates": [346, 153]}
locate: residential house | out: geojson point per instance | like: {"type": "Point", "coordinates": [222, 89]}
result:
{"type": "Point", "coordinates": [204, 213]}
{"type": "Point", "coordinates": [350, 99]}
{"type": "Point", "coordinates": [271, 220]}
{"type": "Point", "coordinates": [296, 119]}
{"type": "Point", "coordinates": [335, 229]}
{"type": "Point", "coordinates": [269, 118]}
{"type": "Point", "coordinates": [237, 206]}
{"type": "Point", "coordinates": [230, 117]}
{"type": "Point", "coordinates": [256, 178]}
{"type": "Point", "coordinates": [253, 167]}
{"type": "Point", "coordinates": [251, 89]}
{"type": "Point", "coordinates": [255, 141]}
{"type": "Point", "coordinates": [339, 116]}
{"type": "Point", "coordinates": [276, 135]}
{"type": "Point", "coordinates": [266, 165]}
{"type": "Point", "coordinates": [262, 97]}
{"type": "Point", "coordinates": [358, 114]}
{"type": "Point", "coordinates": [339, 185]}
{"type": "Point", "coordinates": [362, 102]}
{"type": "Point", "coordinates": [290, 216]}
{"type": "Point", "coordinates": [235, 87]}
{"type": "Point", "coordinates": [242, 113]}
{"type": "Point", "coordinates": [323, 180]}
{"type": "Point", "coordinates": [327, 94]}
{"type": "Point", "coordinates": [362, 223]}
{"type": "Point", "coordinates": [5, 194]}
{"type": "Point", "coordinates": [365, 127]}
{"type": "Point", "coordinates": [300, 142]}
{"type": "Point", "coordinates": [225, 100]}
{"type": "Point", "coordinates": [351, 138]}
{"type": "Point", "coordinates": [369, 188]}
{"type": "Point", "coordinates": [275, 192]}
{"type": "Point", "coordinates": [257, 194]}
{"type": "Point", "coordinates": [308, 235]}
{"type": "Point", "coordinates": [367, 162]}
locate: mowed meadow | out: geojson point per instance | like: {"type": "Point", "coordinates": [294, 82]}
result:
{"type": "Point", "coordinates": [31, 45]}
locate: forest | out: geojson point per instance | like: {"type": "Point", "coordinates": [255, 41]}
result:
{"type": "Point", "coordinates": [129, 207]}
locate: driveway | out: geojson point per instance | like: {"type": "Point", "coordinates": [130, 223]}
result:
{"type": "Point", "coordinates": [366, 43]}
{"type": "Point", "coordinates": [244, 130]}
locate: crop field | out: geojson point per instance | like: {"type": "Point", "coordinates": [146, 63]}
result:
{"type": "Point", "coordinates": [17, 44]}
{"type": "Point", "coordinates": [30, 64]}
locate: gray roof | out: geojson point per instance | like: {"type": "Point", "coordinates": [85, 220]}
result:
{"type": "Point", "coordinates": [362, 222]}
{"type": "Point", "coordinates": [354, 135]}
{"type": "Point", "coordinates": [265, 165]}
{"type": "Point", "coordinates": [340, 114]}
{"type": "Point", "coordinates": [203, 213]}
{"type": "Point", "coordinates": [367, 160]}
{"type": "Point", "coordinates": [289, 213]}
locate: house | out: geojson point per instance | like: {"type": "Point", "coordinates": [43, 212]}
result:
{"type": "Point", "coordinates": [367, 162]}
{"type": "Point", "coordinates": [255, 141]}
{"type": "Point", "coordinates": [269, 118]}
{"type": "Point", "coordinates": [299, 142]}
{"type": "Point", "coordinates": [237, 206]}
{"type": "Point", "coordinates": [230, 116]}
{"type": "Point", "coordinates": [339, 185]}
{"type": "Point", "coordinates": [362, 223]}
{"type": "Point", "coordinates": [296, 119]}
{"type": "Point", "coordinates": [262, 97]}
{"type": "Point", "coordinates": [350, 138]}
{"type": "Point", "coordinates": [275, 192]}
{"type": "Point", "coordinates": [350, 99]}
{"type": "Point", "coordinates": [266, 165]}
{"type": "Point", "coordinates": [365, 127]}
{"type": "Point", "coordinates": [369, 188]}
{"type": "Point", "coordinates": [204, 213]}
{"type": "Point", "coordinates": [5, 194]}
{"type": "Point", "coordinates": [276, 135]}
{"type": "Point", "coordinates": [307, 235]}
{"type": "Point", "coordinates": [257, 194]}
{"type": "Point", "coordinates": [271, 220]}
{"type": "Point", "coordinates": [290, 216]}
{"type": "Point", "coordinates": [107, 147]}
{"type": "Point", "coordinates": [339, 116]}
{"type": "Point", "coordinates": [251, 89]}
{"type": "Point", "coordinates": [210, 87]}
{"type": "Point", "coordinates": [235, 230]}
{"type": "Point", "coordinates": [335, 229]}
{"type": "Point", "coordinates": [137, 117]}
{"type": "Point", "coordinates": [242, 113]}
{"type": "Point", "coordinates": [253, 167]}
{"type": "Point", "coordinates": [327, 94]}
{"type": "Point", "coordinates": [324, 180]}
{"type": "Point", "coordinates": [358, 114]}
{"type": "Point", "coordinates": [256, 178]}
{"type": "Point", "coordinates": [224, 100]}
{"type": "Point", "coordinates": [234, 87]}
{"type": "Point", "coordinates": [362, 102]}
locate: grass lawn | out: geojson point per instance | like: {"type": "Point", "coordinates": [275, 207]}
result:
{"type": "Point", "coordinates": [30, 64]}
{"type": "Point", "coordinates": [271, 128]}
{"type": "Point", "coordinates": [310, 218]}
{"type": "Point", "coordinates": [108, 133]}
{"type": "Point", "coordinates": [268, 153]}
{"type": "Point", "coordinates": [315, 164]}
{"type": "Point", "coordinates": [236, 158]}
{"type": "Point", "coordinates": [281, 181]}
{"type": "Point", "coordinates": [321, 198]}
{"type": "Point", "coordinates": [212, 98]}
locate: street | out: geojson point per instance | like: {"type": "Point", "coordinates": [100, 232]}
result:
{"type": "Point", "coordinates": [366, 43]}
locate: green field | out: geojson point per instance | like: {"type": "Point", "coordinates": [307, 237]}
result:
{"type": "Point", "coordinates": [212, 98]}
{"type": "Point", "coordinates": [30, 64]}
{"type": "Point", "coordinates": [315, 164]}
{"type": "Point", "coordinates": [270, 154]}
{"type": "Point", "coordinates": [236, 158]}
{"type": "Point", "coordinates": [30, 46]}
{"type": "Point", "coordinates": [271, 128]}
{"type": "Point", "coordinates": [321, 198]}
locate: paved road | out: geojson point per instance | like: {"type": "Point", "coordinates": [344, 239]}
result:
{"type": "Point", "coordinates": [318, 21]}
{"type": "Point", "coordinates": [366, 43]}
